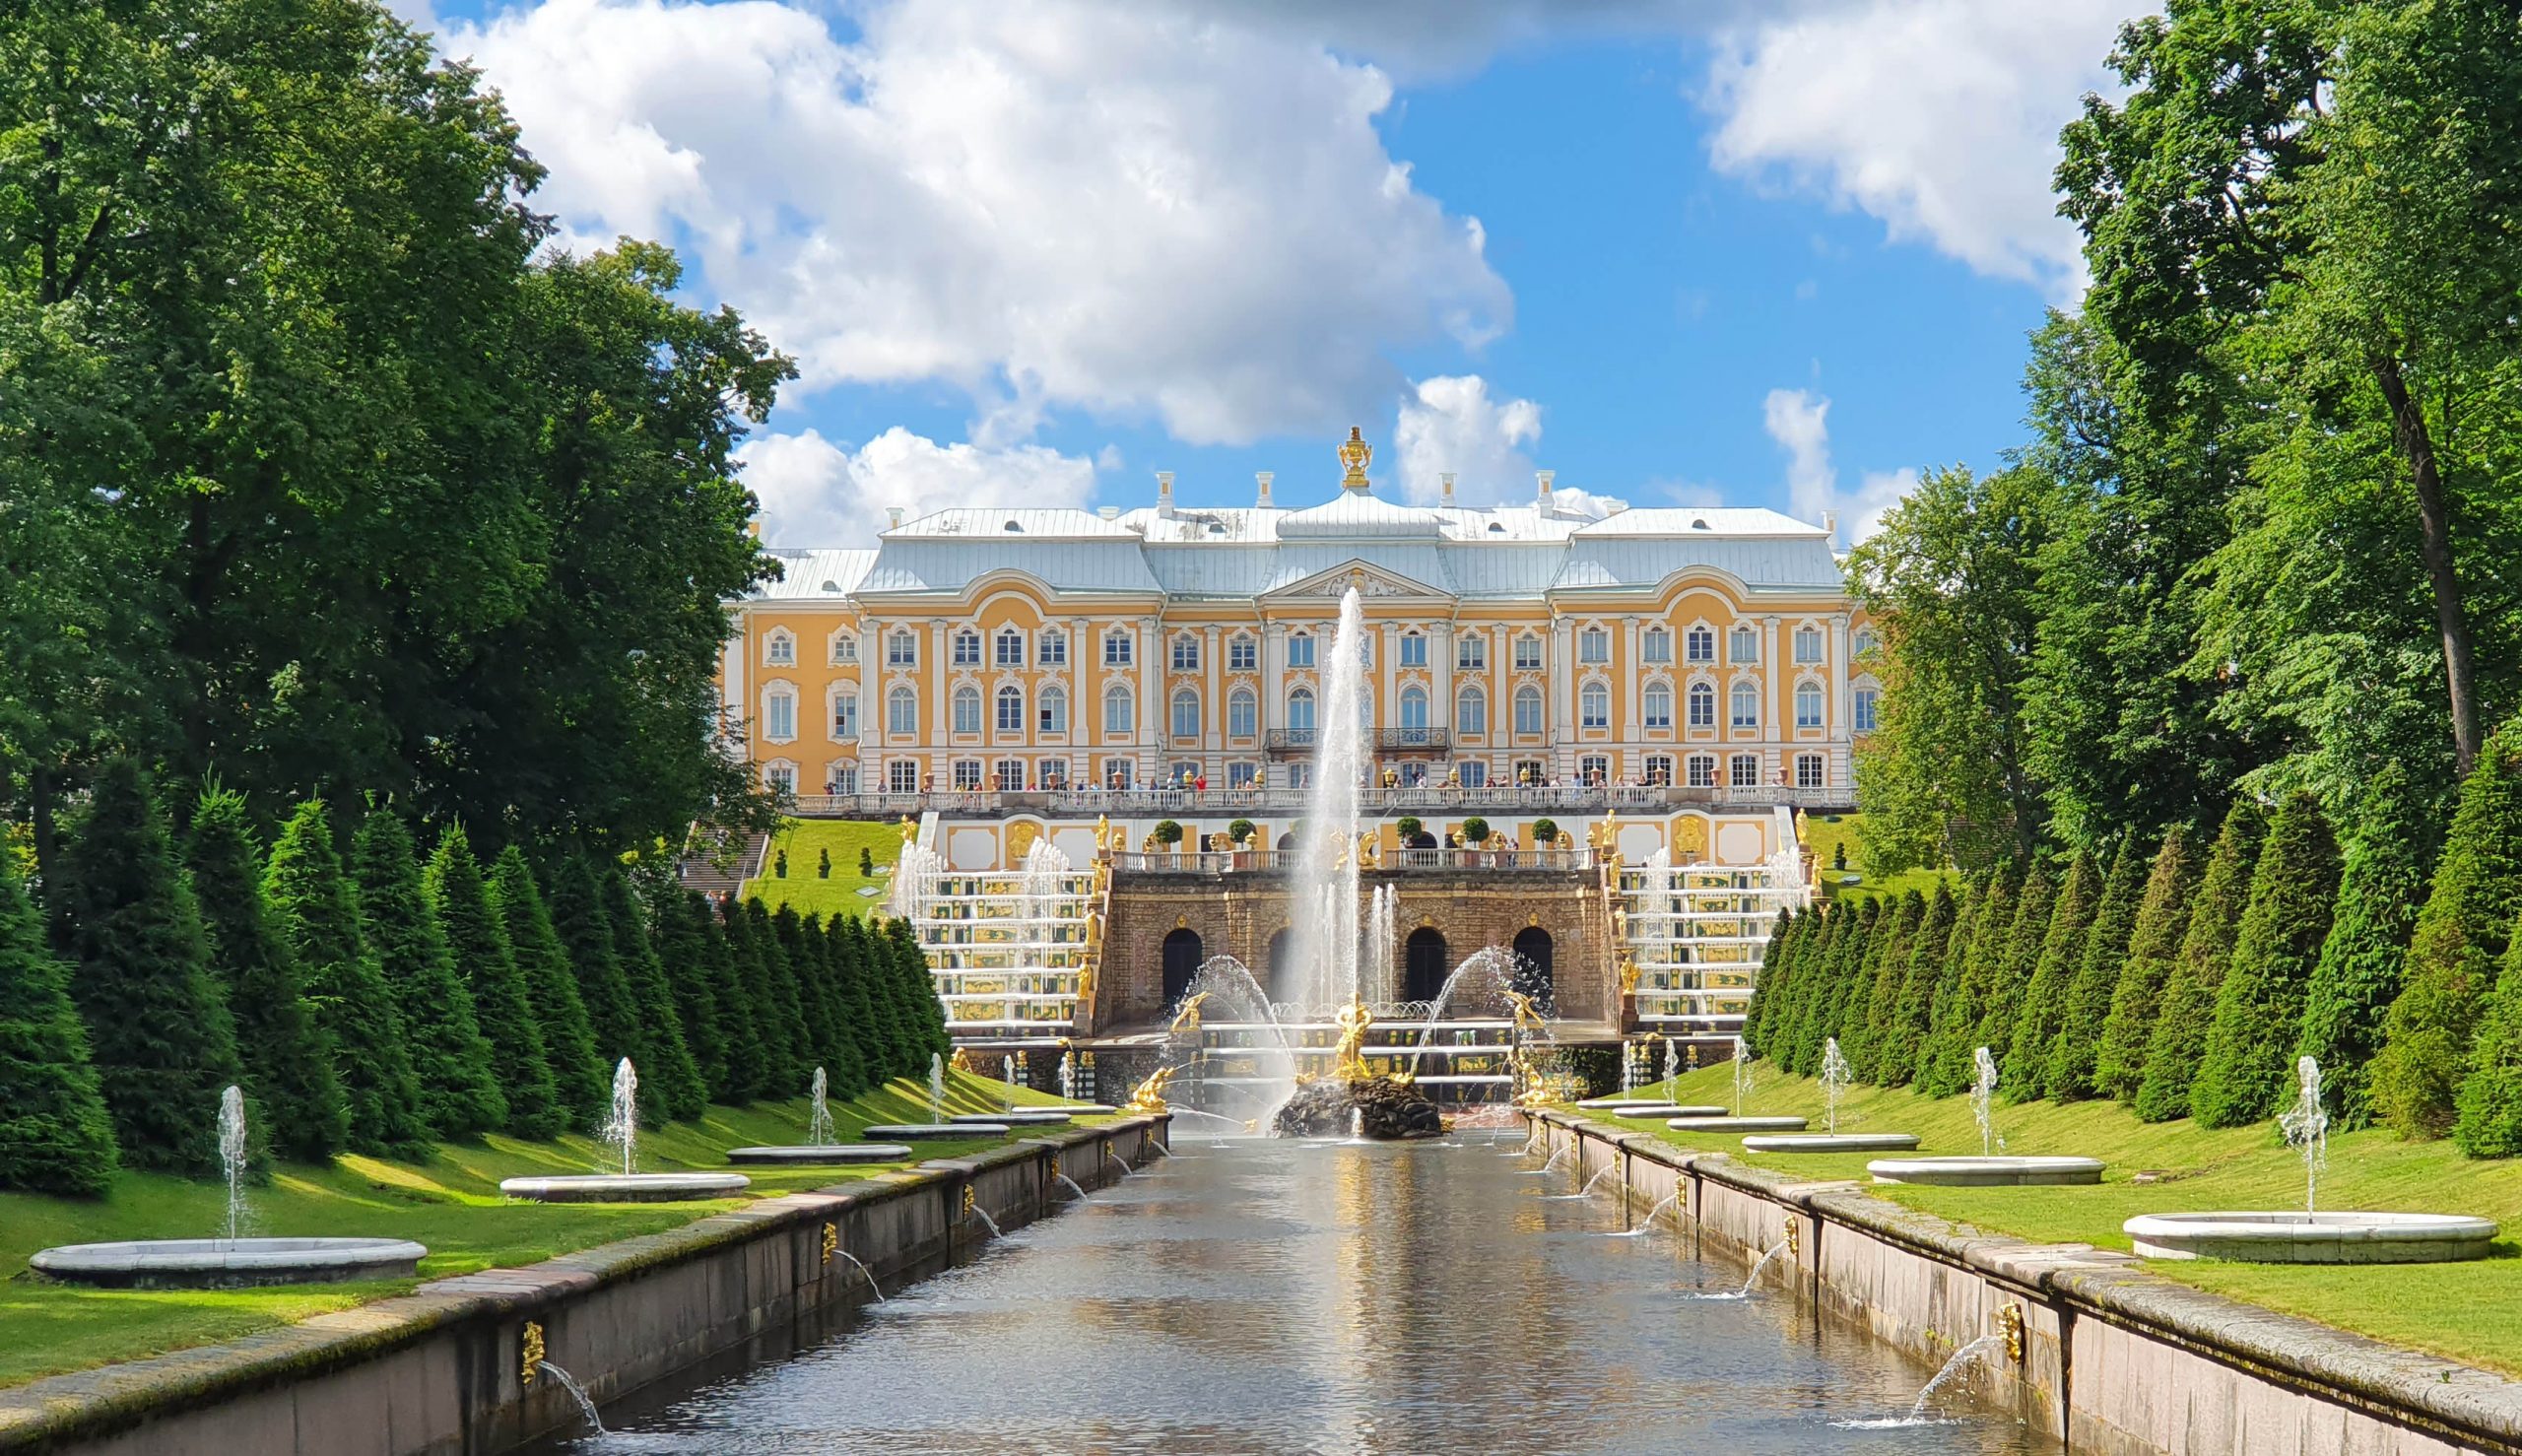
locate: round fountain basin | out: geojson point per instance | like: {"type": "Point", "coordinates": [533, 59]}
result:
{"type": "Point", "coordinates": [1022, 1117]}
{"type": "Point", "coordinates": [931, 1132]}
{"type": "Point", "coordinates": [1614, 1105]}
{"type": "Point", "coordinates": [1087, 1109]}
{"type": "Point", "coordinates": [812, 1154]}
{"type": "Point", "coordinates": [628, 1187]}
{"type": "Point", "coordinates": [2280, 1237]}
{"type": "Point", "coordinates": [1831, 1143]}
{"type": "Point", "coordinates": [228, 1263]}
{"type": "Point", "coordinates": [1704, 1124]}
{"type": "Point", "coordinates": [1667, 1109]}
{"type": "Point", "coordinates": [1986, 1173]}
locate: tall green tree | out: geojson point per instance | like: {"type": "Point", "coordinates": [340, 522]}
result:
{"type": "Point", "coordinates": [1867, 1013]}
{"type": "Point", "coordinates": [679, 928]}
{"type": "Point", "coordinates": [579, 917]}
{"type": "Point", "coordinates": [460, 1096]}
{"type": "Point", "coordinates": [1777, 967]}
{"type": "Point", "coordinates": [2010, 974]}
{"type": "Point", "coordinates": [2359, 974]}
{"type": "Point", "coordinates": [1903, 1031]}
{"type": "Point", "coordinates": [787, 1055]}
{"type": "Point", "coordinates": [2198, 976]}
{"type": "Point", "coordinates": [581, 1080]}
{"type": "Point", "coordinates": [1823, 1018]}
{"type": "Point", "coordinates": [312, 907]}
{"type": "Point", "coordinates": [54, 1135]}
{"type": "Point", "coordinates": [2247, 1064]}
{"type": "Point", "coordinates": [731, 994]}
{"type": "Point", "coordinates": [159, 1032]}
{"type": "Point", "coordinates": [668, 1074]}
{"type": "Point", "coordinates": [827, 1041]}
{"type": "Point", "coordinates": [886, 1040]}
{"type": "Point", "coordinates": [912, 964]}
{"type": "Point", "coordinates": [2024, 1068]}
{"type": "Point", "coordinates": [2154, 948]}
{"type": "Point", "coordinates": [1947, 1064]}
{"type": "Point", "coordinates": [477, 939]}
{"type": "Point", "coordinates": [2075, 1053]}
{"type": "Point", "coordinates": [289, 1059]}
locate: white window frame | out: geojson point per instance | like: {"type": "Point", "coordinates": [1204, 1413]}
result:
{"type": "Point", "coordinates": [1539, 714]}
{"type": "Point", "coordinates": [1471, 712]}
{"type": "Point", "coordinates": [966, 697]}
{"type": "Point", "coordinates": [1243, 714]}
{"type": "Point", "coordinates": [1007, 647]}
{"type": "Point", "coordinates": [1743, 691]}
{"type": "Point", "coordinates": [1594, 707]}
{"type": "Point", "coordinates": [965, 643]}
{"type": "Point", "coordinates": [1124, 722]}
{"type": "Point", "coordinates": [1655, 706]}
{"type": "Point", "coordinates": [901, 713]}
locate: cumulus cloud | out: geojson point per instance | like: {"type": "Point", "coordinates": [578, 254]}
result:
{"type": "Point", "coordinates": [1134, 210]}
{"type": "Point", "coordinates": [815, 493]}
{"type": "Point", "coordinates": [1451, 423]}
{"type": "Point", "coordinates": [1940, 118]}
{"type": "Point", "coordinates": [1799, 421]}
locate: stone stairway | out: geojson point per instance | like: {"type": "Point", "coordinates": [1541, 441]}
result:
{"type": "Point", "coordinates": [713, 872]}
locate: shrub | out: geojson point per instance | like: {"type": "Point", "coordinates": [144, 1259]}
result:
{"type": "Point", "coordinates": [460, 1093]}
{"type": "Point", "coordinates": [2359, 974]}
{"type": "Point", "coordinates": [478, 941]}
{"type": "Point", "coordinates": [1948, 1065]}
{"type": "Point", "coordinates": [2154, 944]}
{"type": "Point", "coordinates": [2074, 1052]}
{"type": "Point", "coordinates": [585, 931]}
{"type": "Point", "coordinates": [1239, 832]}
{"type": "Point", "coordinates": [668, 1068]}
{"type": "Point", "coordinates": [2008, 973]}
{"type": "Point", "coordinates": [2198, 976]}
{"type": "Point", "coordinates": [582, 1078]}
{"type": "Point", "coordinates": [310, 901]}
{"type": "Point", "coordinates": [1167, 832]}
{"type": "Point", "coordinates": [2248, 1062]}
{"type": "Point", "coordinates": [1409, 827]}
{"type": "Point", "coordinates": [866, 863]}
{"type": "Point", "coordinates": [1545, 832]}
{"type": "Point", "coordinates": [54, 1135]}
{"type": "Point", "coordinates": [1903, 1029]}
{"type": "Point", "coordinates": [2025, 1067]}
{"type": "Point", "coordinates": [1475, 831]}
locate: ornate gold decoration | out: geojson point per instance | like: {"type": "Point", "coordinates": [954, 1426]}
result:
{"type": "Point", "coordinates": [1619, 922]}
{"type": "Point", "coordinates": [1370, 850]}
{"type": "Point", "coordinates": [1186, 1022]}
{"type": "Point", "coordinates": [530, 1355]}
{"type": "Point", "coordinates": [1349, 1060]}
{"type": "Point", "coordinates": [2009, 1321]}
{"type": "Point", "coordinates": [1102, 832]}
{"type": "Point", "coordinates": [1794, 1235]}
{"type": "Point", "coordinates": [1182, 922]}
{"type": "Point", "coordinates": [968, 1200]}
{"type": "Point", "coordinates": [1690, 836]}
{"type": "Point", "coordinates": [1355, 456]}
{"type": "Point", "coordinates": [1426, 921]}
{"type": "Point", "coordinates": [910, 831]}
{"type": "Point", "coordinates": [1629, 972]}
{"type": "Point", "coordinates": [962, 1060]}
{"type": "Point", "coordinates": [831, 1242]}
{"type": "Point", "coordinates": [1150, 1095]}
{"type": "Point", "coordinates": [1019, 838]}
{"type": "Point", "coordinates": [1532, 920]}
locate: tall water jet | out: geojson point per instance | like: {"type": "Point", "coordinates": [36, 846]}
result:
{"type": "Point", "coordinates": [2305, 1126]}
{"type": "Point", "coordinates": [622, 1131]}
{"type": "Point", "coordinates": [1068, 1077]}
{"type": "Point", "coordinates": [621, 1125]}
{"type": "Point", "coordinates": [1325, 872]}
{"type": "Point", "coordinates": [1382, 937]}
{"type": "Point", "coordinates": [818, 1130]}
{"type": "Point", "coordinates": [1835, 1075]}
{"type": "Point", "coordinates": [232, 1155]}
{"type": "Point", "coordinates": [1742, 1075]}
{"type": "Point", "coordinates": [936, 1087]}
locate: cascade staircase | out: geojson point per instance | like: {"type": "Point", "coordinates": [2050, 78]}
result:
{"type": "Point", "coordinates": [709, 868]}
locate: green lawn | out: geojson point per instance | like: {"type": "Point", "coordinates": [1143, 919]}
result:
{"type": "Point", "coordinates": [2470, 1312]}
{"type": "Point", "coordinates": [449, 1203]}
{"type": "Point", "coordinates": [1827, 834]}
{"type": "Point", "coordinates": [804, 839]}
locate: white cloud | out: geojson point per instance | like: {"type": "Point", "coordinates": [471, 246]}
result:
{"type": "Point", "coordinates": [1134, 210]}
{"type": "Point", "coordinates": [815, 493]}
{"type": "Point", "coordinates": [1940, 118]}
{"type": "Point", "coordinates": [1450, 422]}
{"type": "Point", "coordinates": [1799, 421]}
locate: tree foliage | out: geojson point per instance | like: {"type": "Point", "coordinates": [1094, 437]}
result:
{"type": "Point", "coordinates": [54, 1133]}
{"type": "Point", "coordinates": [478, 940]}
{"type": "Point", "coordinates": [2247, 1063]}
{"type": "Point", "coordinates": [459, 1088]}
{"type": "Point", "coordinates": [2071, 1072]}
{"type": "Point", "coordinates": [311, 905]}
{"type": "Point", "coordinates": [2358, 973]}
{"type": "Point", "coordinates": [2154, 947]}
{"type": "Point", "coordinates": [2189, 997]}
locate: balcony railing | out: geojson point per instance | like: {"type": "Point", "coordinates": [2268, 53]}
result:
{"type": "Point", "coordinates": [1246, 861]}
{"type": "Point", "coordinates": [1381, 740]}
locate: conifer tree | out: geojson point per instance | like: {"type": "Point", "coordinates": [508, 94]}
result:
{"type": "Point", "coordinates": [54, 1135]}
{"type": "Point", "coordinates": [2198, 975]}
{"type": "Point", "coordinates": [2488, 1121]}
{"type": "Point", "coordinates": [2009, 974]}
{"type": "Point", "coordinates": [159, 1034]}
{"type": "Point", "coordinates": [1777, 1023]}
{"type": "Point", "coordinates": [2248, 1063]}
{"type": "Point", "coordinates": [309, 898]}
{"type": "Point", "coordinates": [2024, 1068]}
{"type": "Point", "coordinates": [2359, 974]}
{"type": "Point", "coordinates": [1898, 1045]}
{"type": "Point", "coordinates": [756, 1064]}
{"type": "Point", "coordinates": [460, 1096]}
{"type": "Point", "coordinates": [2072, 1073]}
{"type": "Point", "coordinates": [2453, 956]}
{"type": "Point", "coordinates": [2153, 946]}
{"type": "Point", "coordinates": [679, 1091]}
{"type": "Point", "coordinates": [1774, 960]}
{"type": "Point", "coordinates": [1817, 985]}
{"type": "Point", "coordinates": [828, 1045]}
{"type": "Point", "coordinates": [1820, 1019]}
{"type": "Point", "coordinates": [1948, 1065]}
{"type": "Point", "coordinates": [582, 1078]}
{"type": "Point", "coordinates": [679, 922]}
{"type": "Point", "coordinates": [1869, 1009]}
{"type": "Point", "coordinates": [861, 1023]}
{"type": "Point", "coordinates": [289, 1059]}
{"type": "Point", "coordinates": [912, 962]}
{"type": "Point", "coordinates": [784, 1026]}
{"type": "Point", "coordinates": [478, 940]}
{"type": "Point", "coordinates": [575, 900]}
{"type": "Point", "coordinates": [887, 1041]}
{"type": "Point", "coordinates": [729, 999]}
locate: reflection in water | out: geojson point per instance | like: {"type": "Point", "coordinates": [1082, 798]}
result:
{"type": "Point", "coordinates": [1304, 1298]}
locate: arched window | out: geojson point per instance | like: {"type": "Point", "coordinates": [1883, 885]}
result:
{"type": "Point", "coordinates": [1182, 956]}
{"type": "Point", "coordinates": [1053, 702]}
{"type": "Point", "coordinates": [845, 648]}
{"type": "Point", "coordinates": [781, 776]}
{"type": "Point", "coordinates": [1471, 712]}
{"type": "Point", "coordinates": [1702, 770]}
{"type": "Point", "coordinates": [1009, 648]}
{"type": "Point", "coordinates": [1659, 705]}
{"type": "Point", "coordinates": [1594, 704]}
{"type": "Point", "coordinates": [1414, 704]}
{"type": "Point", "coordinates": [779, 649]}
{"type": "Point", "coordinates": [901, 714]}
{"type": "Point", "coordinates": [1186, 653]}
{"type": "Point", "coordinates": [1300, 711]}
{"type": "Point", "coordinates": [967, 708]}
{"type": "Point", "coordinates": [1423, 964]}
{"type": "Point", "coordinates": [1010, 709]}
{"type": "Point", "coordinates": [1867, 708]}
{"type": "Point", "coordinates": [1656, 645]}
{"type": "Point", "coordinates": [1528, 711]}
{"type": "Point", "coordinates": [1747, 705]}
{"type": "Point", "coordinates": [779, 714]}
{"type": "Point", "coordinates": [1532, 969]}
{"type": "Point", "coordinates": [1186, 714]}
{"type": "Point", "coordinates": [1118, 714]}
{"type": "Point", "coordinates": [1808, 704]}
{"type": "Point", "coordinates": [1300, 650]}
{"type": "Point", "coordinates": [968, 647]}
{"type": "Point", "coordinates": [1703, 705]}
{"type": "Point", "coordinates": [1699, 644]}
{"type": "Point", "coordinates": [844, 715]}
{"type": "Point", "coordinates": [1243, 714]}
{"type": "Point", "coordinates": [1862, 644]}
{"type": "Point", "coordinates": [1808, 644]}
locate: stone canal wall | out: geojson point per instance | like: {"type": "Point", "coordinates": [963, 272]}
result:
{"type": "Point", "coordinates": [442, 1370]}
{"type": "Point", "coordinates": [2101, 1355]}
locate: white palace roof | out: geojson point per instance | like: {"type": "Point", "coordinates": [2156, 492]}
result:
{"type": "Point", "coordinates": [1515, 552]}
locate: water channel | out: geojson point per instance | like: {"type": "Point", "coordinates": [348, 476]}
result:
{"type": "Point", "coordinates": [1281, 1296]}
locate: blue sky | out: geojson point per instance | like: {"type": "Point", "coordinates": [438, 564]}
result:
{"type": "Point", "coordinates": [1033, 252]}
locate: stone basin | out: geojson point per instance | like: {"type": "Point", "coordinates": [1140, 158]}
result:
{"type": "Point", "coordinates": [228, 1263]}
{"type": "Point", "coordinates": [1986, 1173]}
{"type": "Point", "coordinates": [1021, 1117]}
{"type": "Point", "coordinates": [1667, 1109]}
{"type": "Point", "coordinates": [628, 1187]}
{"type": "Point", "coordinates": [930, 1132]}
{"type": "Point", "coordinates": [814, 1153]}
{"type": "Point", "coordinates": [1736, 1124]}
{"type": "Point", "coordinates": [1086, 1110]}
{"type": "Point", "coordinates": [1614, 1105]}
{"type": "Point", "coordinates": [2282, 1237]}
{"type": "Point", "coordinates": [1831, 1143]}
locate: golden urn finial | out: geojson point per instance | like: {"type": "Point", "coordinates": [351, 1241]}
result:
{"type": "Point", "coordinates": [1355, 455]}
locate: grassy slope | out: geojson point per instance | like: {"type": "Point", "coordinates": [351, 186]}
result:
{"type": "Point", "coordinates": [802, 837]}
{"type": "Point", "coordinates": [1823, 835]}
{"type": "Point", "coordinates": [2468, 1311]}
{"type": "Point", "coordinates": [449, 1203]}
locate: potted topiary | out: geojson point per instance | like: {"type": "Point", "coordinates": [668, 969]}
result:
{"type": "Point", "coordinates": [1545, 833]}
{"type": "Point", "coordinates": [1169, 833]}
{"type": "Point", "coordinates": [1474, 833]}
{"type": "Point", "coordinates": [1239, 834]}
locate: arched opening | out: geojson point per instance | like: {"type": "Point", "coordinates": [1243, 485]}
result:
{"type": "Point", "coordinates": [1181, 963]}
{"type": "Point", "coordinates": [1423, 964]}
{"type": "Point", "coordinates": [1280, 972]}
{"type": "Point", "coordinates": [1533, 974]}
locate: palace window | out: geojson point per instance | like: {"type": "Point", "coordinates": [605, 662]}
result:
{"type": "Point", "coordinates": [1702, 770]}
{"type": "Point", "coordinates": [1528, 717]}
{"type": "Point", "coordinates": [1594, 644]}
{"type": "Point", "coordinates": [779, 649]}
{"type": "Point", "coordinates": [1470, 653]}
{"type": "Point", "coordinates": [1866, 699]}
{"type": "Point", "coordinates": [1808, 704]}
{"type": "Point", "coordinates": [967, 776]}
{"type": "Point", "coordinates": [844, 715]}
{"type": "Point", "coordinates": [1746, 772]}
{"type": "Point", "coordinates": [841, 778]}
{"type": "Point", "coordinates": [1051, 774]}
{"type": "Point", "coordinates": [1862, 644]}
{"type": "Point", "coordinates": [1742, 644]}
{"type": "Point", "coordinates": [1529, 772]}
{"type": "Point", "coordinates": [782, 776]}
{"type": "Point", "coordinates": [1413, 651]}
{"type": "Point", "coordinates": [1118, 712]}
{"type": "Point", "coordinates": [1051, 651]}
{"type": "Point", "coordinates": [901, 776]}
{"type": "Point", "coordinates": [1594, 706]}
{"type": "Point", "coordinates": [901, 649]}
{"type": "Point", "coordinates": [1243, 714]}
{"type": "Point", "coordinates": [1703, 705]}
{"type": "Point", "coordinates": [844, 648]}
{"type": "Point", "coordinates": [1186, 653]}
{"type": "Point", "coordinates": [1593, 769]}
{"type": "Point", "coordinates": [1300, 713]}
{"type": "Point", "coordinates": [1747, 705]}
{"type": "Point", "coordinates": [780, 716]}
{"type": "Point", "coordinates": [1414, 706]}
{"type": "Point", "coordinates": [1010, 776]}
{"type": "Point", "coordinates": [968, 648]}
{"type": "Point", "coordinates": [1474, 773]}
{"type": "Point", "coordinates": [1300, 650]}
{"type": "Point", "coordinates": [1808, 644]}
{"type": "Point", "coordinates": [1242, 773]}
{"type": "Point", "coordinates": [1659, 770]}
{"type": "Point", "coordinates": [1659, 705]}
{"type": "Point", "coordinates": [1182, 776]}
{"type": "Point", "coordinates": [1010, 709]}
{"type": "Point", "coordinates": [1528, 655]}
{"type": "Point", "coordinates": [1698, 644]}
{"type": "Point", "coordinates": [968, 710]}
{"type": "Point", "coordinates": [1011, 648]}
{"type": "Point", "coordinates": [1119, 648]}
{"type": "Point", "coordinates": [1242, 654]}
{"type": "Point", "coordinates": [1186, 714]}
{"type": "Point", "coordinates": [1116, 773]}
{"type": "Point", "coordinates": [901, 714]}
{"type": "Point", "coordinates": [1657, 645]}
{"type": "Point", "coordinates": [1471, 712]}
{"type": "Point", "coordinates": [1808, 770]}
{"type": "Point", "coordinates": [1300, 775]}
{"type": "Point", "coordinates": [1053, 704]}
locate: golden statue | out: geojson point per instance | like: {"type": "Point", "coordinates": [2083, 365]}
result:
{"type": "Point", "coordinates": [1370, 850]}
{"type": "Point", "coordinates": [1527, 1019]}
{"type": "Point", "coordinates": [1619, 921]}
{"type": "Point", "coordinates": [1186, 1022]}
{"type": "Point", "coordinates": [910, 831]}
{"type": "Point", "coordinates": [1348, 1059]}
{"type": "Point", "coordinates": [1355, 456]}
{"type": "Point", "coordinates": [1102, 832]}
{"type": "Point", "coordinates": [962, 1060]}
{"type": "Point", "coordinates": [1628, 971]}
{"type": "Point", "coordinates": [1150, 1095]}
